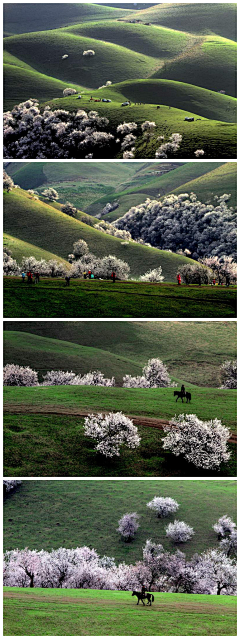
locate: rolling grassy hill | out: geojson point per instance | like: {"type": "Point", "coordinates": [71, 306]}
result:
{"type": "Point", "coordinates": [108, 501]}
{"type": "Point", "coordinates": [110, 613]}
{"type": "Point", "coordinates": [193, 17]}
{"type": "Point", "coordinates": [24, 18]}
{"type": "Point", "coordinates": [22, 249]}
{"type": "Point", "coordinates": [40, 223]}
{"type": "Point", "coordinates": [192, 351]}
{"type": "Point", "coordinates": [129, 183]}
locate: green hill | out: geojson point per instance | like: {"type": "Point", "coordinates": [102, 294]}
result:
{"type": "Point", "coordinates": [201, 18]}
{"type": "Point", "coordinates": [219, 180]}
{"type": "Point", "coordinates": [215, 60]}
{"type": "Point", "coordinates": [156, 41]}
{"type": "Point", "coordinates": [45, 50]}
{"type": "Point", "coordinates": [22, 249]}
{"type": "Point", "coordinates": [24, 18]}
{"type": "Point", "coordinates": [102, 503]}
{"type": "Point", "coordinates": [192, 351]}
{"type": "Point", "coordinates": [114, 613]}
{"type": "Point", "coordinates": [43, 225]}
{"type": "Point", "coordinates": [22, 83]}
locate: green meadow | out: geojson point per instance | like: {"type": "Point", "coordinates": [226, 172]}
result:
{"type": "Point", "coordinates": [97, 612]}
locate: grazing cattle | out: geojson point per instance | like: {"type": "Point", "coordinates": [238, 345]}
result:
{"type": "Point", "coordinates": [188, 119]}
{"type": "Point", "coordinates": [140, 597]}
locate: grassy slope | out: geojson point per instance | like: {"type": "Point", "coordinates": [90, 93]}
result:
{"type": "Point", "coordinates": [22, 249]}
{"type": "Point", "coordinates": [108, 500]}
{"type": "Point", "coordinates": [210, 64]}
{"type": "Point", "coordinates": [87, 299]}
{"type": "Point", "coordinates": [155, 41]}
{"type": "Point", "coordinates": [192, 351]}
{"type": "Point", "coordinates": [193, 17]}
{"type": "Point", "coordinates": [114, 613]}
{"type": "Point", "coordinates": [220, 180]}
{"type": "Point", "coordinates": [20, 84]}
{"type": "Point", "coordinates": [25, 18]}
{"type": "Point", "coordinates": [45, 354]}
{"type": "Point", "coordinates": [46, 48]}
{"type": "Point", "coordinates": [40, 223]}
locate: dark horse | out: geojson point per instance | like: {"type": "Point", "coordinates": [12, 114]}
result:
{"type": "Point", "coordinates": [181, 395]}
{"type": "Point", "coordinates": [140, 596]}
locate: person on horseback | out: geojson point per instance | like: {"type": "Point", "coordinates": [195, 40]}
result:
{"type": "Point", "coordinates": [143, 591]}
{"type": "Point", "coordinates": [183, 389]}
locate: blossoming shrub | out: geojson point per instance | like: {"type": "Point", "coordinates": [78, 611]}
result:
{"type": "Point", "coordinates": [128, 525]}
{"type": "Point", "coordinates": [202, 443]}
{"type": "Point", "coordinates": [111, 432]}
{"type": "Point", "coordinates": [163, 506]}
{"type": "Point", "coordinates": [179, 532]}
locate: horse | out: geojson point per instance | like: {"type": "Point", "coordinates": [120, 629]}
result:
{"type": "Point", "coordinates": [188, 397]}
{"type": "Point", "coordinates": [140, 596]}
{"type": "Point", "coordinates": [180, 395]}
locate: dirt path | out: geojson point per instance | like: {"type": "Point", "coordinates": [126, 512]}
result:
{"type": "Point", "coordinates": [139, 420]}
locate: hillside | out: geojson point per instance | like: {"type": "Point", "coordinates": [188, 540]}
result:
{"type": "Point", "coordinates": [24, 18]}
{"type": "Point", "coordinates": [40, 223]}
{"type": "Point", "coordinates": [22, 249]}
{"type": "Point", "coordinates": [192, 351]}
{"type": "Point", "coordinates": [108, 501]}
{"type": "Point", "coordinates": [199, 18]}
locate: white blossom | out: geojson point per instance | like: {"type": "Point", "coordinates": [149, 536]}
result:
{"type": "Point", "coordinates": [111, 432]}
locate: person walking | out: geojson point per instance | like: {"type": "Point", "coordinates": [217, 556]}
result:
{"type": "Point", "coordinates": [89, 274]}
{"type": "Point", "coordinates": [227, 279]}
{"type": "Point", "coordinates": [36, 276]}
{"type": "Point", "coordinates": [29, 276]}
{"type": "Point", "coordinates": [67, 280]}
{"type": "Point", "coordinates": [113, 276]}
{"type": "Point", "coordinates": [179, 279]}
{"type": "Point", "coordinates": [23, 276]}
{"type": "Point", "coordinates": [85, 275]}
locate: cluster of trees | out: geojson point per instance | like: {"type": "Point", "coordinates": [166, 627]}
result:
{"type": "Point", "coordinates": [169, 148]}
{"type": "Point", "coordinates": [110, 229]}
{"type": "Point", "coordinates": [211, 572]}
{"type": "Point", "coordinates": [14, 375]}
{"type": "Point", "coordinates": [180, 222]}
{"type": "Point", "coordinates": [46, 268]}
{"type": "Point", "coordinates": [31, 133]}
{"type": "Point", "coordinates": [110, 206]}
{"type": "Point", "coordinates": [154, 375]}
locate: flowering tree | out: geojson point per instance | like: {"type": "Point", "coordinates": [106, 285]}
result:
{"type": "Point", "coordinates": [14, 375]}
{"type": "Point", "coordinates": [179, 532]}
{"type": "Point", "coordinates": [94, 378]}
{"type": "Point", "coordinates": [195, 274]}
{"type": "Point", "coordinates": [180, 222]}
{"type": "Point", "coordinates": [10, 266]}
{"type": "Point", "coordinates": [154, 375]}
{"type": "Point", "coordinates": [68, 91]}
{"type": "Point", "coordinates": [9, 485]}
{"type": "Point", "coordinates": [110, 206]}
{"type": "Point", "coordinates": [153, 276]}
{"type": "Point", "coordinates": [128, 525]}
{"type": "Point", "coordinates": [111, 432]}
{"type": "Point", "coordinates": [223, 266]}
{"type": "Point", "coordinates": [58, 378]}
{"type": "Point", "coordinates": [8, 183]}
{"type": "Point", "coordinates": [228, 544]}
{"type": "Point", "coordinates": [219, 571]}
{"type": "Point", "coordinates": [224, 526]}
{"type": "Point", "coordinates": [80, 248]}
{"type": "Point", "coordinates": [228, 374]}
{"type": "Point", "coordinates": [110, 229]}
{"type": "Point", "coordinates": [163, 506]}
{"type": "Point", "coordinates": [203, 444]}
{"type": "Point", "coordinates": [51, 194]}
{"type": "Point", "coordinates": [69, 209]}
{"type": "Point", "coordinates": [167, 149]}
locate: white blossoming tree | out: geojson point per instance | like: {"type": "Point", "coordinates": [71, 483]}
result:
{"type": "Point", "coordinates": [128, 525]}
{"type": "Point", "coordinates": [14, 375]}
{"type": "Point", "coordinates": [58, 378]}
{"type": "Point", "coordinates": [228, 374]}
{"type": "Point", "coordinates": [8, 183]}
{"type": "Point", "coordinates": [111, 432]}
{"type": "Point", "coordinates": [163, 506]}
{"type": "Point", "coordinates": [68, 91]}
{"type": "Point", "coordinates": [51, 194]}
{"type": "Point", "coordinates": [203, 444]}
{"type": "Point", "coordinates": [69, 209]}
{"type": "Point", "coordinates": [153, 276]}
{"type": "Point", "coordinates": [154, 375]}
{"type": "Point", "coordinates": [224, 526]}
{"type": "Point", "coordinates": [179, 532]}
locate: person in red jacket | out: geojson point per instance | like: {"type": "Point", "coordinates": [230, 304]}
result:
{"type": "Point", "coordinates": [179, 279]}
{"type": "Point", "coordinates": [113, 276]}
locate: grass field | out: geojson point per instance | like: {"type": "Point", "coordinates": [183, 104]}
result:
{"type": "Point", "coordinates": [62, 526]}
{"type": "Point", "coordinates": [85, 298]}
{"type": "Point", "coordinates": [54, 415]}
{"type": "Point", "coordinates": [91, 612]}
{"type": "Point", "coordinates": [192, 351]}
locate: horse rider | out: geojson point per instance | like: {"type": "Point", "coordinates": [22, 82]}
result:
{"type": "Point", "coordinates": [183, 389]}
